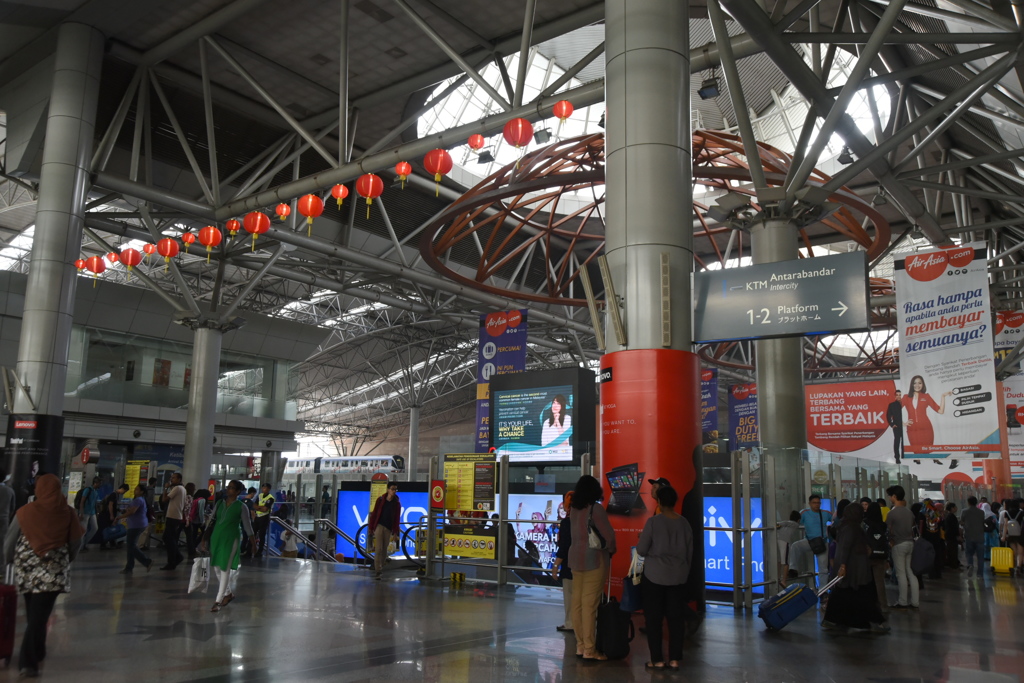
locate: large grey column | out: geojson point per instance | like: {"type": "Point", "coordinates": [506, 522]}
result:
{"type": "Point", "coordinates": [414, 444]}
{"type": "Point", "coordinates": [202, 403]}
{"type": "Point", "coordinates": [37, 424]}
{"type": "Point", "coordinates": [780, 379]}
{"type": "Point", "coordinates": [648, 165]}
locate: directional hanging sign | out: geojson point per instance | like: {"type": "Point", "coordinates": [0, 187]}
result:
{"type": "Point", "coordinates": [820, 295]}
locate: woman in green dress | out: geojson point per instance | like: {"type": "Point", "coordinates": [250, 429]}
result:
{"type": "Point", "coordinates": [223, 538]}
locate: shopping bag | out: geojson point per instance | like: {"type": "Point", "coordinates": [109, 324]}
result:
{"type": "Point", "coordinates": [200, 575]}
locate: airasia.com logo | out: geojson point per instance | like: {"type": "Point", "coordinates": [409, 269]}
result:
{"type": "Point", "coordinates": [706, 375]}
{"type": "Point", "coordinates": [1011, 319]}
{"type": "Point", "coordinates": [960, 257]}
{"type": "Point", "coordinates": [741, 391]}
{"type": "Point", "coordinates": [497, 323]}
{"type": "Point", "coordinates": [926, 267]}
{"type": "Point", "coordinates": [25, 424]}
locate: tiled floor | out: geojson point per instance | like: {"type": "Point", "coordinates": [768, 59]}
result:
{"type": "Point", "coordinates": [295, 621]}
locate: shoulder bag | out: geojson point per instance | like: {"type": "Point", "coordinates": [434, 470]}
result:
{"type": "Point", "coordinates": [595, 540]}
{"type": "Point", "coordinates": [817, 543]}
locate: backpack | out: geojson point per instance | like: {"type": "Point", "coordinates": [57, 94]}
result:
{"type": "Point", "coordinates": [990, 524]}
{"type": "Point", "coordinates": [78, 500]}
{"type": "Point", "coordinates": [878, 541]}
{"type": "Point", "coordinates": [1013, 525]}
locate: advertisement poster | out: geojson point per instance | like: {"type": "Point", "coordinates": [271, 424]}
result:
{"type": "Point", "coordinates": [1013, 391]}
{"type": "Point", "coordinates": [946, 371]}
{"type": "Point", "coordinates": [709, 410]}
{"type": "Point", "coordinates": [534, 425]}
{"type": "Point", "coordinates": [1008, 333]}
{"type": "Point", "coordinates": [719, 554]}
{"type": "Point", "coordinates": [743, 430]}
{"type": "Point", "coordinates": [863, 418]}
{"type": "Point", "coordinates": [502, 351]}
{"type": "Point", "coordinates": [470, 541]}
{"type": "Point", "coordinates": [354, 514]}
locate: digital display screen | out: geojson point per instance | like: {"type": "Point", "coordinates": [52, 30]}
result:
{"type": "Point", "coordinates": [533, 425]}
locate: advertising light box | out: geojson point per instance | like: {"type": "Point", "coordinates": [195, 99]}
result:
{"type": "Point", "coordinates": [719, 557]}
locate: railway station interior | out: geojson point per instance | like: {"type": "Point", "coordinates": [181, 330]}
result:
{"type": "Point", "coordinates": [761, 249]}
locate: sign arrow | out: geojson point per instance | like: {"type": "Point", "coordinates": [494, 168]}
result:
{"type": "Point", "coordinates": [842, 308]}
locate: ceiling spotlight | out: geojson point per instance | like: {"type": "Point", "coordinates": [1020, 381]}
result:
{"type": "Point", "coordinates": [484, 157]}
{"type": "Point", "coordinates": [709, 88]}
{"type": "Point", "coordinates": [846, 156]}
{"type": "Point", "coordinates": [879, 198]}
{"type": "Point", "coordinates": [600, 123]}
{"type": "Point", "coordinates": [542, 136]}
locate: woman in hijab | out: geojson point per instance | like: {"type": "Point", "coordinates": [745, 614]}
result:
{"type": "Point", "coordinates": [991, 527]}
{"type": "Point", "coordinates": [853, 603]}
{"type": "Point", "coordinates": [43, 539]}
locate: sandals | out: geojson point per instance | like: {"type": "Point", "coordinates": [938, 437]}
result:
{"type": "Point", "coordinates": [650, 666]}
{"type": "Point", "coordinates": [672, 666]}
{"type": "Point", "coordinates": [227, 598]}
{"type": "Point", "coordinates": [216, 607]}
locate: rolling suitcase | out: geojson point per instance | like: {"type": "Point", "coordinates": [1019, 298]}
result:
{"type": "Point", "coordinates": [614, 630]}
{"type": "Point", "coordinates": [782, 608]}
{"type": "Point", "coordinates": [1002, 561]}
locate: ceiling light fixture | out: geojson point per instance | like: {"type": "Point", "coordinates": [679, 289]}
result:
{"type": "Point", "coordinates": [542, 136]}
{"type": "Point", "coordinates": [709, 88]}
{"type": "Point", "coordinates": [484, 157]}
{"type": "Point", "coordinates": [846, 156]}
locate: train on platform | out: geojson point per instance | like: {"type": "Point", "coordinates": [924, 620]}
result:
{"type": "Point", "coordinates": [301, 472]}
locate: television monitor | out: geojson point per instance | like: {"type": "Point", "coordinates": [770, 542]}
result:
{"type": "Point", "coordinates": [542, 418]}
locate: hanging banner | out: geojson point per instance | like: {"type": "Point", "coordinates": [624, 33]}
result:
{"type": "Point", "coordinates": [946, 371]}
{"type": "Point", "coordinates": [866, 418]}
{"type": "Point", "coordinates": [743, 428]}
{"type": "Point", "coordinates": [502, 351]}
{"type": "Point", "coordinates": [1008, 333]}
{"type": "Point", "coordinates": [709, 410]}
{"type": "Point", "coordinates": [1013, 393]}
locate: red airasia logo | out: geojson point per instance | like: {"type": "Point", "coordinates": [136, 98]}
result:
{"type": "Point", "coordinates": [741, 391]}
{"type": "Point", "coordinates": [85, 456]}
{"type": "Point", "coordinates": [958, 258]}
{"type": "Point", "coordinates": [25, 424]}
{"type": "Point", "coordinates": [926, 267]}
{"type": "Point", "coordinates": [706, 375]}
{"type": "Point", "coordinates": [496, 323]}
{"type": "Point", "coordinates": [514, 318]}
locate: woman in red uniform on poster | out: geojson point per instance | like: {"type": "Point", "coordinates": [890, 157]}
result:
{"type": "Point", "coordinates": [917, 401]}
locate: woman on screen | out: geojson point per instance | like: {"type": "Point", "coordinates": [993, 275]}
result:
{"type": "Point", "coordinates": [917, 401]}
{"type": "Point", "coordinates": [557, 421]}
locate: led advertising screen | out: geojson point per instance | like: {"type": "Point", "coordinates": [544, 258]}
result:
{"type": "Point", "coordinates": [354, 512]}
{"type": "Point", "coordinates": [533, 425]}
{"type": "Point", "coordinates": [543, 418]}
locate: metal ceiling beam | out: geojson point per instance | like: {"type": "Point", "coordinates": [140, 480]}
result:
{"type": "Point", "coordinates": [524, 51]}
{"type": "Point", "coordinates": [585, 95]}
{"type": "Point", "coordinates": [153, 195]}
{"type": "Point", "coordinates": [756, 23]}
{"type": "Point", "coordinates": [203, 27]}
{"type": "Point", "coordinates": [903, 38]}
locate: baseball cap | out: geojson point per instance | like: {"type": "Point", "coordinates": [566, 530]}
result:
{"type": "Point", "coordinates": [660, 481]}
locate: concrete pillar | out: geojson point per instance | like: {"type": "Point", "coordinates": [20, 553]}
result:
{"type": "Point", "coordinates": [37, 424]}
{"type": "Point", "coordinates": [780, 378]}
{"type": "Point", "coordinates": [202, 403]}
{"type": "Point", "coordinates": [411, 462]}
{"type": "Point", "coordinates": [650, 390]}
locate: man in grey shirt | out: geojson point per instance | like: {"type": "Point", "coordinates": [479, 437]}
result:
{"type": "Point", "coordinates": [900, 524]}
{"type": "Point", "coordinates": [973, 522]}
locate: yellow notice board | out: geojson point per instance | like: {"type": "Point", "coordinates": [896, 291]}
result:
{"type": "Point", "coordinates": [469, 479]}
{"type": "Point", "coordinates": [133, 475]}
{"type": "Point", "coordinates": [378, 487]}
{"type": "Point", "coordinates": [470, 541]}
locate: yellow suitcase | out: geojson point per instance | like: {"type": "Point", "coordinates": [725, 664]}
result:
{"type": "Point", "coordinates": [1002, 561]}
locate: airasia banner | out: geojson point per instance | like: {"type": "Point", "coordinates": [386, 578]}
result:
{"type": "Point", "coordinates": [1008, 333]}
{"type": "Point", "coordinates": [502, 351]}
{"type": "Point", "coordinates": [709, 410]}
{"type": "Point", "coordinates": [947, 376]}
{"type": "Point", "coordinates": [856, 417]}
{"type": "Point", "coordinates": [743, 427]}
{"type": "Point", "coordinates": [1013, 394]}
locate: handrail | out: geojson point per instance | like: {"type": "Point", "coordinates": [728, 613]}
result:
{"type": "Point", "coordinates": [328, 524]}
{"type": "Point", "coordinates": [308, 542]}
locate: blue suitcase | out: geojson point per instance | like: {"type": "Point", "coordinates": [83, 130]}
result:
{"type": "Point", "coordinates": [112, 533]}
{"type": "Point", "coordinates": [782, 608]}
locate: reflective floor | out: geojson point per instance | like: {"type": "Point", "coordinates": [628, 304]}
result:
{"type": "Point", "coordinates": [293, 621]}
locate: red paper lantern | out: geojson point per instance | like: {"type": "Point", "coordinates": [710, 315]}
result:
{"type": "Point", "coordinates": [131, 258]}
{"type": "Point", "coordinates": [563, 109]}
{"type": "Point", "coordinates": [149, 250]}
{"type": "Point", "coordinates": [518, 132]}
{"type": "Point", "coordinates": [113, 257]}
{"type": "Point", "coordinates": [369, 185]}
{"type": "Point", "coordinates": [438, 162]}
{"type": "Point", "coordinates": [233, 227]}
{"type": "Point", "coordinates": [188, 238]}
{"type": "Point", "coordinates": [210, 237]}
{"type": "Point", "coordinates": [476, 141]}
{"type": "Point", "coordinates": [168, 248]}
{"type": "Point", "coordinates": [255, 223]}
{"type": "Point", "coordinates": [80, 265]}
{"type": "Point", "coordinates": [339, 192]}
{"type": "Point", "coordinates": [403, 169]}
{"type": "Point", "coordinates": [310, 206]}
{"type": "Point", "coordinates": [283, 211]}
{"type": "Point", "coordinates": [96, 266]}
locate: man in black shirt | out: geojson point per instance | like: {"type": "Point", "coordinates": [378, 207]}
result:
{"type": "Point", "coordinates": [894, 415]}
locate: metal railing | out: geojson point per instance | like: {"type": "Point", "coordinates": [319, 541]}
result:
{"type": "Point", "coordinates": [309, 543]}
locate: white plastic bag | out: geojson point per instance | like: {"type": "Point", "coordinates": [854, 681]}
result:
{"type": "Point", "coordinates": [200, 575]}
{"type": "Point", "coordinates": [636, 568]}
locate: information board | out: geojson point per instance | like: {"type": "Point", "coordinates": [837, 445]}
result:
{"type": "Point", "coordinates": [470, 481]}
{"type": "Point", "coordinates": [820, 295]}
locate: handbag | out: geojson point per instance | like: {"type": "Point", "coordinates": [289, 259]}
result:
{"type": "Point", "coordinates": [636, 568]}
{"type": "Point", "coordinates": [817, 543]}
{"type": "Point", "coordinates": [200, 578]}
{"type": "Point", "coordinates": [595, 540]}
{"type": "Point", "coordinates": [632, 600]}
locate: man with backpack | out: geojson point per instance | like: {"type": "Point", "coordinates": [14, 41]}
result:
{"type": "Point", "coordinates": [973, 522]}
